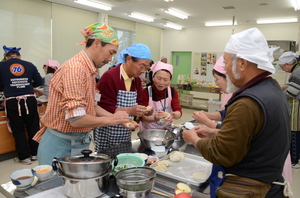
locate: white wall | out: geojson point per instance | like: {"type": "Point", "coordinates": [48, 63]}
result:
{"type": "Point", "coordinates": [46, 30]}
{"type": "Point", "coordinates": [18, 28]}
{"type": "Point", "coordinates": [26, 24]}
{"type": "Point", "coordinates": [148, 35]}
{"type": "Point", "coordinates": [66, 25]}
{"type": "Point", "coordinates": [214, 39]}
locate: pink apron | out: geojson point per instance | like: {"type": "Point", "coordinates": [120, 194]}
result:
{"type": "Point", "coordinates": [162, 105]}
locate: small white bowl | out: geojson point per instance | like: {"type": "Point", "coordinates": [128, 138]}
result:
{"type": "Point", "coordinates": [43, 172]}
{"type": "Point", "coordinates": [159, 151]}
{"type": "Point", "coordinates": [23, 178]}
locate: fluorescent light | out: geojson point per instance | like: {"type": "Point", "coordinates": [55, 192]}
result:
{"type": "Point", "coordinates": [266, 21]}
{"type": "Point", "coordinates": [176, 13]}
{"type": "Point", "coordinates": [296, 4]}
{"type": "Point", "coordinates": [168, 0]}
{"type": "Point", "coordinates": [141, 17]}
{"type": "Point", "coordinates": [220, 23]}
{"type": "Point", "coordinates": [93, 4]}
{"type": "Point", "coordinates": [173, 25]}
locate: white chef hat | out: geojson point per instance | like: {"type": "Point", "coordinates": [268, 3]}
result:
{"type": "Point", "coordinates": [252, 46]}
{"type": "Point", "coordinates": [287, 57]}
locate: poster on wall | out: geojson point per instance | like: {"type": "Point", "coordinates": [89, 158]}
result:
{"type": "Point", "coordinates": [196, 66]}
{"type": "Point", "coordinates": [211, 58]}
{"type": "Point", "coordinates": [196, 73]}
{"type": "Point", "coordinates": [203, 64]}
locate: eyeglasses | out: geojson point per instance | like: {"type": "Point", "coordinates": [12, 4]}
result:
{"type": "Point", "coordinates": [143, 65]}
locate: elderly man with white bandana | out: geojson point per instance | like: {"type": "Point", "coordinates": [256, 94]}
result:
{"type": "Point", "coordinates": [254, 140]}
{"type": "Point", "coordinates": [290, 62]}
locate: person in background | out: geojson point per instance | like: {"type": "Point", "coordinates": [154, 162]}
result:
{"type": "Point", "coordinates": [121, 90]}
{"type": "Point", "coordinates": [72, 111]}
{"type": "Point", "coordinates": [143, 77]}
{"type": "Point", "coordinates": [161, 97]}
{"type": "Point", "coordinates": [49, 67]}
{"type": "Point", "coordinates": [18, 79]}
{"type": "Point", "coordinates": [206, 118]}
{"type": "Point", "coordinates": [164, 59]}
{"type": "Point", "coordinates": [289, 62]}
{"type": "Point", "coordinates": [148, 75]}
{"type": "Point", "coordinates": [254, 140]}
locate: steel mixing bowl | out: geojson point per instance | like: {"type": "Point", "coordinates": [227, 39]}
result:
{"type": "Point", "coordinates": [136, 179]}
{"type": "Point", "coordinates": [156, 137]}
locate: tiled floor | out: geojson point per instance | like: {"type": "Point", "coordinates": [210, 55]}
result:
{"type": "Point", "coordinates": [8, 166]}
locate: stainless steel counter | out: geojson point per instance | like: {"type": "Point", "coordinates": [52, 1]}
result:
{"type": "Point", "coordinates": [162, 184]}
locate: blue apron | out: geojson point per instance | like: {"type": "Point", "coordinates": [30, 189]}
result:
{"type": "Point", "coordinates": [217, 175]}
{"type": "Point", "coordinates": [109, 136]}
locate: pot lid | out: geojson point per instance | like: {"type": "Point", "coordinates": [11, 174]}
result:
{"type": "Point", "coordinates": [87, 157]}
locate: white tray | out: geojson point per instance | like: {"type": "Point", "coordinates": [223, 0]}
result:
{"type": "Point", "coordinates": [183, 170]}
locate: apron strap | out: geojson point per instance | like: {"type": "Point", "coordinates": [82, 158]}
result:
{"type": "Point", "coordinates": [65, 136]}
{"type": "Point", "coordinates": [287, 191]}
{"type": "Point", "coordinates": [22, 97]}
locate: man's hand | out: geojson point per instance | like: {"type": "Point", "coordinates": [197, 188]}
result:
{"type": "Point", "coordinates": [200, 116]}
{"type": "Point", "coordinates": [205, 132]}
{"type": "Point", "coordinates": [191, 136]}
{"type": "Point", "coordinates": [119, 117]}
{"type": "Point", "coordinates": [138, 110]}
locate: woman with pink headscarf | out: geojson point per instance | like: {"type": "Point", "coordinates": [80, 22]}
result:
{"type": "Point", "coordinates": [161, 97]}
{"type": "Point", "coordinates": [219, 74]}
{"type": "Point", "coordinates": [49, 67]}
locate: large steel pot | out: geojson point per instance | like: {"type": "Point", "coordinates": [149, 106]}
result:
{"type": "Point", "coordinates": [136, 182]}
{"type": "Point", "coordinates": [83, 167]}
{"type": "Point", "coordinates": [87, 188]}
{"type": "Point", "coordinates": [156, 137]}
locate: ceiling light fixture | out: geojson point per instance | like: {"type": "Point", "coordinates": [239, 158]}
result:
{"type": "Point", "coordinates": [173, 26]}
{"type": "Point", "coordinates": [141, 17]}
{"type": "Point", "coordinates": [93, 4]}
{"type": "Point", "coordinates": [220, 23]}
{"type": "Point", "coordinates": [266, 21]}
{"type": "Point", "coordinates": [176, 13]}
{"type": "Point", "coordinates": [296, 4]}
{"type": "Point", "coordinates": [168, 0]}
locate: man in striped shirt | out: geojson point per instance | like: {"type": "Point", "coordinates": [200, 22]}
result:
{"type": "Point", "coordinates": [72, 110]}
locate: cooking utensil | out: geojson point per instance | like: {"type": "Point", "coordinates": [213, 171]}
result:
{"type": "Point", "coordinates": [160, 193]}
{"type": "Point", "coordinates": [156, 137]}
{"type": "Point", "coordinates": [82, 167]}
{"type": "Point", "coordinates": [136, 181]}
{"type": "Point", "coordinates": [93, 187]}
{"type": "Point", "coordinates": [183, 170]}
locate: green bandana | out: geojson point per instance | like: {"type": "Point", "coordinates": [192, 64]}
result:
{"type": "Point", "coordinates": [102, 31]}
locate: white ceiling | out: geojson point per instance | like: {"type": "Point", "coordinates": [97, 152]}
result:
{"type": "Point", "coordinates": [246, 12]}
